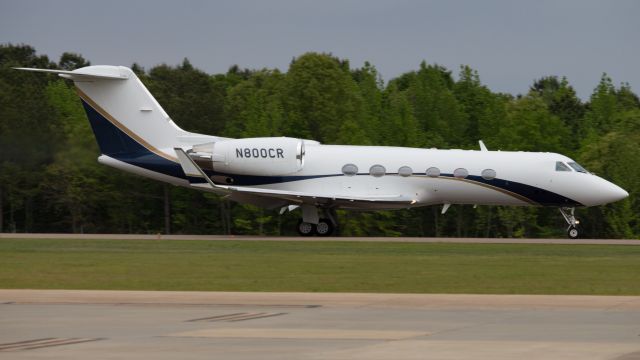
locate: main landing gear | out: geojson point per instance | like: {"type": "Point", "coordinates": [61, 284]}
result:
{"type": "Point", "coordinates": [311, 224]}
{"type": "Point", "coordinates": [324, 227]}
{"type": "Point", "coordinates": [572, 230]}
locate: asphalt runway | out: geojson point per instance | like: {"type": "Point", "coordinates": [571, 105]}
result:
{"type": "Point", "coordinates": [298, 238]}
{"type": "Point", "coordinates": [76, 324]}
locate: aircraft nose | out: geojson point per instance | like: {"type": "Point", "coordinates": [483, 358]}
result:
{"type": "Point", "coordinates": [619, 193]}
{"type": "Point", "coordinates": [611, 192]}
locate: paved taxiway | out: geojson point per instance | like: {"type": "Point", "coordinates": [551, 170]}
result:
{"type": "Point", "coordinates": [298, 238]}
{"type": "Point", "coordinates": [48, 324]}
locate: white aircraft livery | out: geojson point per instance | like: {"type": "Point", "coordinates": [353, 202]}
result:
{"type": "Point", "coordinates": [136, 135]}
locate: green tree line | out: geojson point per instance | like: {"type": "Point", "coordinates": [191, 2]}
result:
{"type": "Point", "coordinates": [50, 180]}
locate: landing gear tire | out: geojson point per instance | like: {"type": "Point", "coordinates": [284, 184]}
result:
{"type": "Point", "coordinates": [324, 227]}
{"type": "Point", "coordinates": [573, 232]}
{"type": "Point", "coordinates": [305, 228]}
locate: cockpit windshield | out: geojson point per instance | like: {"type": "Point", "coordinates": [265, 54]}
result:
{"type": "Point", "coordinates": [578, 168]}
{"type": "Point", "coordinates": [568, 166]}
{"type": "Point", "coordinates": [560, 166]}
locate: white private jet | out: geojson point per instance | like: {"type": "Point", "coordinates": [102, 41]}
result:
{"type": "Point", "coordinates": [136, 135]}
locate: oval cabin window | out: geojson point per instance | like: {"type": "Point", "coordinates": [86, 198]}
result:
{"type": "Point", "coordinates": [405, 171]}
{"type": "Point", "coordinates": [377, 171]}
{"type": "Point", "coordinates": [488, 174]}
{"type": "Point", "coordinates": [350, 170]}
{"type": "Point", "coordinates": [460, 173]}
{"type": "Point", "coordinates": [433, 172]}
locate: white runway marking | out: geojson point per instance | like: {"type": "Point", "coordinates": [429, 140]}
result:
{"type": "Point", "coordinates": [318, 334]}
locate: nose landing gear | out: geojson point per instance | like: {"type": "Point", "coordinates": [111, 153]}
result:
{"type": "Point", "coordinates": [572, 230]}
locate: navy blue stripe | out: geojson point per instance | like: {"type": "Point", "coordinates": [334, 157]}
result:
{"type": "Point", "coordinates": [536, 194]}
{"type": "Point", "coordinates": [111, 140]}
{"type": "Point", "coordinates": [118, 145]}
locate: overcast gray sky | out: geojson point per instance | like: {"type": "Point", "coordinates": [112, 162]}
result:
{"type": "Point", "coordinates": [510, 43]}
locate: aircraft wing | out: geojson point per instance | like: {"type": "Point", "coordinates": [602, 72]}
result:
{"type": "Point", "coordinates": [192, 170]}
{"type": "Point", "coordinates": [309, 198]}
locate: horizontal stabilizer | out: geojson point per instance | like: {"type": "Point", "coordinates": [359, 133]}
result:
{"type": "Point", "coordinates": [86, 74]}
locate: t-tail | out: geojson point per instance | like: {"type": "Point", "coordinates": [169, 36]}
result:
{"type": "Point", "coordinates": [133, 131]}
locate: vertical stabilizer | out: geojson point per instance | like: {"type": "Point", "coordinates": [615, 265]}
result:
{"type": "Point", "coordinates": [126, 119]}
{"type": "Point", "coordinates": [124, 116]}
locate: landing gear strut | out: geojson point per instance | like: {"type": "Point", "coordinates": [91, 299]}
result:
{"type": "Point", "coordinates": [572, 230]}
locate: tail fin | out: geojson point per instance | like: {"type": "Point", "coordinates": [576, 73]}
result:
{"type": "Point", "coordinates": [124, 116]}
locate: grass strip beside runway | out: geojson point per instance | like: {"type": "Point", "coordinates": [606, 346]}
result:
{"type": "Point", "coordinates": [321, 266]}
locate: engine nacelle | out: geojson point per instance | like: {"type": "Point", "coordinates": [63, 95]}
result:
{"type": "Point", "coordinates": [255, 156]}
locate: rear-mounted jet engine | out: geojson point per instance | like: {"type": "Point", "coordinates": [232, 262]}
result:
{"type": "Point", "coordinates": [272, 156]}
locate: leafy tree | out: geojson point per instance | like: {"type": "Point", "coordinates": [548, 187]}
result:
{"type": "Point", "coordinates": [602, 107]}
{"type": "Point", "coordinates": [319, 97]}
{"type": "Point", "coordinates": [529, 126]}
{"type": "Point", "coordinates": [626, 98]}
{"type": "Point", "coordinates": [614, 156]}
{"type": "Point", "coordinates": [188, 96]}
{"type": "Point", "coordinates": [72, 61]}
{"type": "Point", "coordinates": [562, 101]}
{"type": "Point", "coordinates": [485, 110]}
{"type": "Point", "coordinates": [435, 107]}
{"type": "Point", "coordinates": [29, 134]}
{"type": "Point", "coordinates": [399, 125]}
{"type": "Point", "coordinates": [254, 108]}
{"type": "Point", "coordinates": [369, 87]}
{"type": "Point", "coordinates": [71, 175]}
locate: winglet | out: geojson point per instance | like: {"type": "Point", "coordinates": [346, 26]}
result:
{"type": "Point", "coordinates": [482, 146]}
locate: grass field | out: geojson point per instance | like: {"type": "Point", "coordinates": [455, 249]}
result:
{"type": "Point", "coordinates": [321, 266]}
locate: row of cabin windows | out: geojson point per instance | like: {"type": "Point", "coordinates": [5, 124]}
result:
{"type": "Point", "coordinates": [404, 171]}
